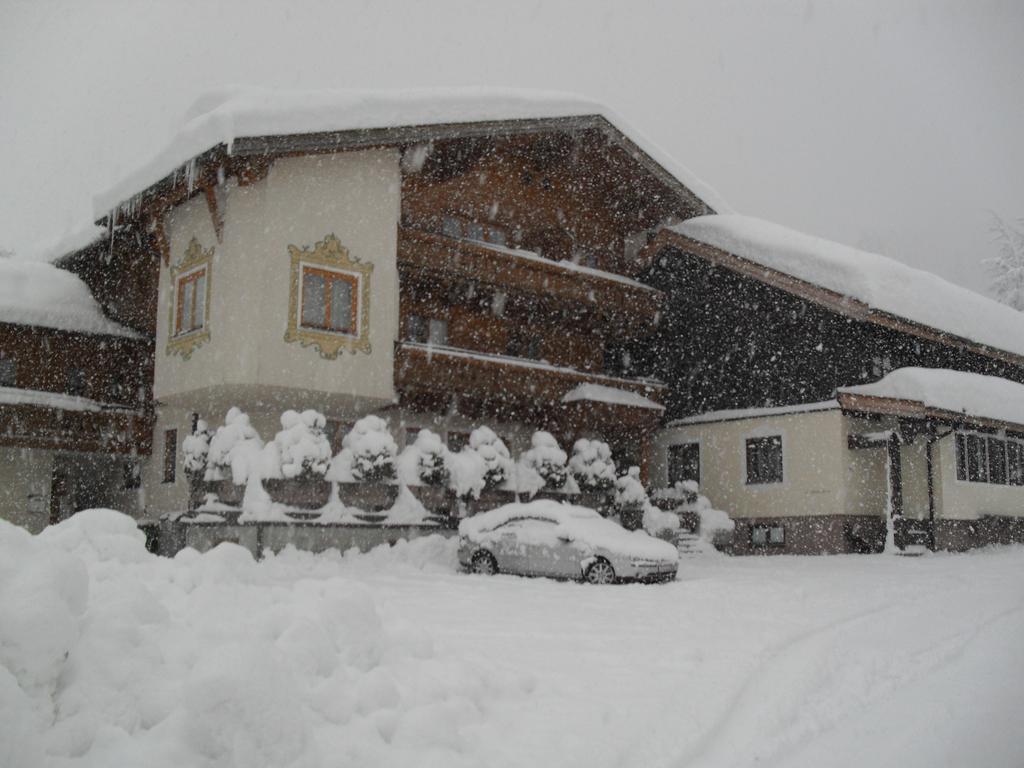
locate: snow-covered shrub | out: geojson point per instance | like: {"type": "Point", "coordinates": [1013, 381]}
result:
{"type": "Point", "coordinates": [629, 491]}
{"type": "Point", "coordinates": [235, 448]}
{"type": "Point", "coordinates": [660, 523]}
{"type": "Point", "coordinates": [432, 465]}
{"type": "Point", "coordinates": [372, 450]}
{"type": "Point", "coordinates": [547, 460]}
{"type": "Point", "coordinates": [592, 466]}
{"type": "Point", "coordinates": [195, 448]}
{"type": "Point", "coordinates": [302, 444]}
{"type": "Point", "coordinates": [468, 470]}
{"type": "Point", "coordinates": [495, 454]}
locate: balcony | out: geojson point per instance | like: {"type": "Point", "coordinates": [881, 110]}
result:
{"type": "Point", "coordinates": [615, 297]}
{"type": "Point", "coordinates": [530, 391]}
{"type": "Point", "coordinates": [36, 419]}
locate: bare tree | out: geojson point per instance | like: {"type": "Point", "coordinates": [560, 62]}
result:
{"type": "Point", "coordinates": [1007, 266]}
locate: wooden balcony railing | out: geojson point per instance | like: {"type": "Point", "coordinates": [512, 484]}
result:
{"type": "Point", "coordinates": [606, 293]}
{"type": "Point", "coordinates": [114, 430]}
{"type": "Point", "coordinates": [518, 389]}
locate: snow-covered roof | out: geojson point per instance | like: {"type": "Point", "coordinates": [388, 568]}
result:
{"type": "Point", "coordinates": [972, 394]}
{"type": "Point", "coordinates": [40, 294]}
{"type": "Point", "coordinates": [73, 240]}
{"type": "Point", "coordinates": [881, 283]}
{"type": "Point", "coordinates": [598, 393]}
{"type": "Point", "coordinates": [736, 414]}
{"type": "Point", "coordinates": [58, 400]}
{"type": "Point", "coordinates": [223, 116]}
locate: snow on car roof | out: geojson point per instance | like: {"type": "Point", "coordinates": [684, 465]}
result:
{"type": "Point", "coordinates": [582, 524]}
{"type": "Point", "coordinates": [880, 282]}
{"type": "Point", "coordinates": [40, 294]}
{"type": "Point", "coordinates": [228, 114]}
{"type": "Point", "coordinates": [972, 394]}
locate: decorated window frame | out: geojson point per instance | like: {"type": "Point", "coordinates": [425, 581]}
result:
{"type": "Point", "coordinates": [190, 295]}
{"type": "Point", "coordinates": [323, 268]}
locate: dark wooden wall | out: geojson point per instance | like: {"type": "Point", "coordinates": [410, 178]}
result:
{"type": "Point", "coordinates": [727, 341]}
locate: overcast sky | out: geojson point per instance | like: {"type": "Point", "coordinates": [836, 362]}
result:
{"type": "Point", "coordinates": [893, 125]}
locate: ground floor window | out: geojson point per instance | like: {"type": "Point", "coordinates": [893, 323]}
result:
{"type": "Point", "coordinates": [684, 463]}
{"type": "Point", "coordinates": [764, 460]}
{"type": "Point", "coordinates": [8, 372]}
{"type": "Point", "coordinates": [457, 441]}
{"type": "Point", "coordinates": [989, 459]}
{"type": "Point", "coordinates": [768, 535]}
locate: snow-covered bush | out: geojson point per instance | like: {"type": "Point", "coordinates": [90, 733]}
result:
{"type": "Point", "coordinates": [431, 457]}
{"type": "Point", "coordinates": [195, 448]}
{"type": "Point", "coordinates": [468, 469]}
{"type": "Point", "coordinates": [302, 444]}
{"type": "Point", "coordinates": [592, 466]}
{"type": "Point", "coordinates": [629, 491]}
{"type": "Point", "coordinates": [372, 450]}
{"type": "Point", "coordinates": [235, 448]}
{"type": "Point", "coordinates": [497, 459]}
{"type": "Point", "coordinates": [660, 523]}
{"type": "Point", "coordinates": [547, 460]}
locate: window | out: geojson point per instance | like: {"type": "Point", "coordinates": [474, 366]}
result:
{"type": "Point", "coordinates": [768, 535]}
{"type": "Point", "coordinates": [457, 441]}
{"type": "Point", "coordinates": [8, 372]}
{"type": "Point", "coordinates": [170, 454]}
{"type": "Point", "coordinates": [76, 382]}
{"type": "Point", "coordinates": [132, 475]}
{"type": "Point", "coordinates": [988, 459]}
{"type": "Point", "coordinates": [684, 463]}
{"type": "Point", "coordinates": [764, 460]}
{"type": "Point", "coordinates": [329, 300]}
{"type": "Point", "coordinates": [437, 333]}
{"type": "Point", "coordinates": [523, 343]}
{"type": "Point", "coordinates": [416, 329]}
{"type": "Point", "coordinates": [464, 229]}
{"type": "Point", "coordinates": [190, 302]}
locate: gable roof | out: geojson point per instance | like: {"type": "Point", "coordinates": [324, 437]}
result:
{"type": "Point", "coordinates": [940, 393]}
{"type": "Point", "coordinates": [241, 119]}
{"type": "Point", "coordinates": [39, 294]}
{"type": "Point", "coordinates": [864, 285]}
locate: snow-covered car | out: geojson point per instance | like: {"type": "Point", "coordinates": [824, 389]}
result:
{"type": "Point", "coordinates": [546, 538]}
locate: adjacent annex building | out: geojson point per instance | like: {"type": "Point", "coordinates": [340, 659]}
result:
{"type": "Point", "coordinates": [448, 259]}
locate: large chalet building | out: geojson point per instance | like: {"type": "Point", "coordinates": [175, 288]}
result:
{"type": "Point", "coordinates": [447, 260]}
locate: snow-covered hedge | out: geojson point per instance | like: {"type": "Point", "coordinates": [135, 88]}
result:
{"type": "Point", "coordinates": [591, 465]}
{"type": "Point", "coordinates": [629, 491]}
{"type": "Point", "coordinates": [195, 449]}
{"type": "Point", "coordinates": [547, 460]}
{"type": "Point", "coordinates": [425, 461]}
{"type": "Point", "coordinates": [368, 453]}
{"type": "Point", "coordinates": [235, 449]}
{"type": "Point", "coordinates": [305, 451]}
{"type": "Point", "coordinates": [498, 465]}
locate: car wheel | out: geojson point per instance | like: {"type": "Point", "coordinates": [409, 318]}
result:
{"type": "Point", "coordinates": [600, 572]}
{"type": "Point", "coordinates": [484, 563]}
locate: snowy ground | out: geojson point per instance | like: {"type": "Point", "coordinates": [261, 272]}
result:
{"type": "Point", "coordinates": [113, 657]}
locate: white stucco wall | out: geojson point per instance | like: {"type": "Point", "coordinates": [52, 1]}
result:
{"type": "Point", "coordinates": [25, 475]}
{"type": "Point", "coordinates": [814, 464]}
{"type": "Point", "coordinates": [355, 196]}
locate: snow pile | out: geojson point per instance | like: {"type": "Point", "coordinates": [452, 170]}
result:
{"type": "Point", "coordinates": [425, 462]}
{"type": "Point", "coordinates": [368, 453]}
{"type": "Point", "coordinates": [598, 393]}
{"type": "Point", "coordinates": [591, 465]}
{"type": "Point", "coordinates": [112, 656]}
{"type": "Point", "coordinates": [37, 293]}
{"type": "Point", "coordinates": [222, 116]}
{"type": "Point", "coordinates": [879, 282]}
{"type": "Point", "coordinates": [235, 449]}
{"type": "Point", "coordinates": [583, 525]}
{"type": "Point", "coordinates": [302, 444]}
{"type": "Point", "coordinates": [972, 394]}
{"type": "Point", "coordinates": [543, 466]}
{"type": "Point", "coordinates": [195, 449]}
